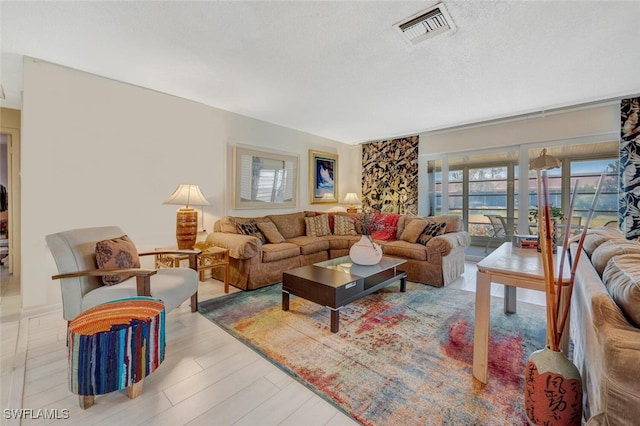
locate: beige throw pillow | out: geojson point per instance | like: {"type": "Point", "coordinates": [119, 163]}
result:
{"type": "Point", "coordinates": [317, 226]}
{"type": "Point", "coordinates": [271, 233]}
{"type": "Point", "coordinates": [344, 225]}
{"type": "Point", "coordinates": [412, 231]}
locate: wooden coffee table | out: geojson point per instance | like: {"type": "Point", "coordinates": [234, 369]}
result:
{"type": "Point", "coordinates": [337, 282]}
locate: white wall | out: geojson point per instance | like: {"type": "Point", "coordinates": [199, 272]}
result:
{"type": "Point", "coordinates": [99, 152]}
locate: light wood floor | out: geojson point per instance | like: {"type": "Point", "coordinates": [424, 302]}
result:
{"type": "Point", "coordinates": [207, 378]}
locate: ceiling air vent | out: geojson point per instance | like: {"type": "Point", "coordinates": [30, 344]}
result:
{"type": "Point", "coordinates": [425, 25]}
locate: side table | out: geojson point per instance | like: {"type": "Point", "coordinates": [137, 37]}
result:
{"type": "Point", "coordinates": [515, 268]}
{"type": "Point", "coordinates": [211, 258]}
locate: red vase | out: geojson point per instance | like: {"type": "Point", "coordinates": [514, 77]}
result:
{"type": "Point", "coordinates": [553, 389]}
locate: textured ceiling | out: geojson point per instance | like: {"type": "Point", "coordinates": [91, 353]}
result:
{"type": "Point", "coordinates": [339, 69]}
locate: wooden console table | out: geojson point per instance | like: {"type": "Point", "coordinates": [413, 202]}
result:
{"type": "Point", "coordinates": [513, 267]}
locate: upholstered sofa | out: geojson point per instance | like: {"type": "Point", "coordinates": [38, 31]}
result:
{"type": "Point", "coordinates": [256, 263]}
{"type": "Point", "coordinates": [604, 327]}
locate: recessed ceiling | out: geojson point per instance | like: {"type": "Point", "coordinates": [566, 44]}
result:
{"type": "Point", "coordinates": [339, 69]}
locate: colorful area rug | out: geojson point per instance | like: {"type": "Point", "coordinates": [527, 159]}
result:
{"type": "Point", "coordinates": [399, 358]}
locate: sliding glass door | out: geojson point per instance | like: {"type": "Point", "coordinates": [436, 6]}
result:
{"type": "Point", "coordinates": [476, 184]}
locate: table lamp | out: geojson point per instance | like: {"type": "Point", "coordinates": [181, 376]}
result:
{"type": "Point", "coordinates": [187, 218]}
{"type": "Point", "coordinates": [352, 198]}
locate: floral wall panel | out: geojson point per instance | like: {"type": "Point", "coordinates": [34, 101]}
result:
{"type": "Point", "coordinates": [629, 207]}
{"type": "Point", "coordinates": [390, 175]}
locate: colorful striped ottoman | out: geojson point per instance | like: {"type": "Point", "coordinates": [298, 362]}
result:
{"type": "Point", "coordinates": [115, 346]}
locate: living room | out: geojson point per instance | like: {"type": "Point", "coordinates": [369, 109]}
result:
{"type": "Point", "coordinates": [95, 150]}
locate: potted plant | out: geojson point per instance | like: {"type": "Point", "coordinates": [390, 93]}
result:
{"type": "Point", "coordinates": [555, 215]}
{"type": "Point", "coordinates": [554, 212]}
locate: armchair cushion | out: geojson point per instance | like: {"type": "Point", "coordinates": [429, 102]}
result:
{"type": "Point", "coordinates": [116, 253]}
{"type": "Point", "coordinates": [171, 285]}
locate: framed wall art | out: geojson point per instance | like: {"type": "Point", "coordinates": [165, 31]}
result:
{"type": "Point", "coordinates": [264, 179]}
{"type": "Point", "coordinates": [323, 177]}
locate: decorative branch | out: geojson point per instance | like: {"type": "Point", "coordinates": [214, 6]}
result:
{"type": "Point", "coordinates": [547, 261]}
{"type": "Point", "coordinates": [574, 267]}
{"type": "Point", "coordinates": [565, 247]}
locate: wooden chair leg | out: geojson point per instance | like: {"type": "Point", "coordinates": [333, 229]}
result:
{"type": "Point", "coordinates": [135, 390]}
{"type": "Point", "coordinates": [194, 302]}
{"type": "Point", "coordinates": [86, 401]}
{"type": "Point", "coordinates": [226, 278]}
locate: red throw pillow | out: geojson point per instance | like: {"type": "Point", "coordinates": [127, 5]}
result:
{"type": "Point", "coordinates": [388, 223]}
{"type": "Point", "coordinates": [116, 253]}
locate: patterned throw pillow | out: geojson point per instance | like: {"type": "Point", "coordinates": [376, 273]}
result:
{"type": "Point", "coordinates": [317, 226]}
{"type": "Point", "coordinates": [344, 225]}
{"type": "Point", "coordinates": [251, 228]}
{"type": "Point", "coordinates": [432, 230]}
{"type": "Point", "coordinates": [331, 220]}
{"type": "Point", "coordinates": [116, 253]}
{"type": "Point", "coordinates": [270, 231]}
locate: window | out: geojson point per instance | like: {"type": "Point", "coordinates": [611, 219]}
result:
{"type": "Point", "coordinates": [481, 183]}
{"type": "Point", "coordinates": [477, 184]}
{"type": "Point", "coordinates": [583, 164]}
{"type": "Point", "coordinates": [587, 173]}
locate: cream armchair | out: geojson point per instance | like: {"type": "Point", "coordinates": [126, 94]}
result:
{"type": "Point", "coordinates": [81, 281]}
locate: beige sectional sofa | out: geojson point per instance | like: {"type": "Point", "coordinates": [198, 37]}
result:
{"type": "Point", "coordinates": [254, 263]}
{"type": "Point", "coordinates": [604, 327]}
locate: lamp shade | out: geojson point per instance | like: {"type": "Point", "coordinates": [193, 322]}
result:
{"type": "Point", "coordinates": [544, 162]}
{"type": "Point", "coordinates": [187, 195]}
{"type": "Point", "coordinates": [351, 198]}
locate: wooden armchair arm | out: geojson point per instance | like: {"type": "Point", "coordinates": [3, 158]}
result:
{"type": "Point", "coordinates": [193, 255]}
{"type": "Point", "coordinates": [169, 251]}
{"type": "Point", "coordinates": [143, 276]}
{"type": "Point", "coordinates": [101, 272]}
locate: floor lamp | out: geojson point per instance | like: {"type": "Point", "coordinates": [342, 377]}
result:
{"type": "Point", "coordinates": [187, 218]}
